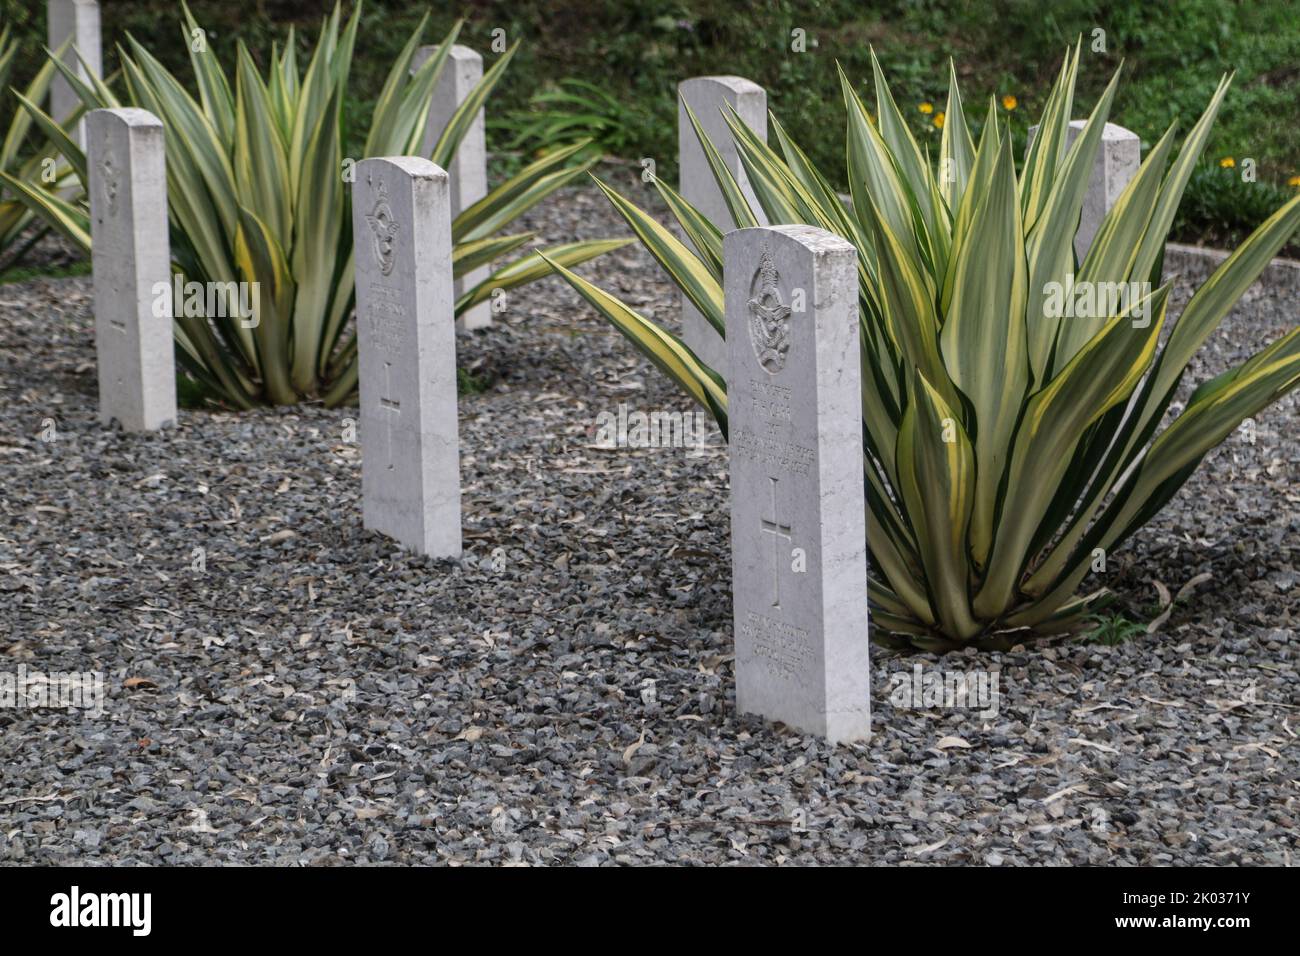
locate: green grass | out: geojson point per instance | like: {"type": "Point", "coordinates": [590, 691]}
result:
{"type": "Point", "coordinates": [470, 383]}
{"type": "Point", "coordinates": [1113, 630]}
{"type": "Point", "coordinates": [24, 273]}
{"type": "Point", "coordinates": [637, 51]}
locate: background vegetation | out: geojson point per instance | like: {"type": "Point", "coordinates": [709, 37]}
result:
{"type": "Point", "coordinates": [637, 50]}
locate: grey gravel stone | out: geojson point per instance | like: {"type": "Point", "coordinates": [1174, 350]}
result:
{"type": "Point", "coordinates": [324, 698]}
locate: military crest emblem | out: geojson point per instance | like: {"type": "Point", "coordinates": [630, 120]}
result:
{"type": "Point", "coordinates": [383, 230]}
{"type": "Point", "coordinates": [769, 316]}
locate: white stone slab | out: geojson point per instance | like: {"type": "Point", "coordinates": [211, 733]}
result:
{"type": "Point", "coordinates": [1119, 156]}
{"type": "Point", "coordinates": [798, 535]}
{"type": "Point", "coordinates": [410, 458]}
{"type": "Point", "coordinates": [131, 263]}
{"type": "Point", "coordinates": [706, 96]}
{"type": "Point", "coordinates": [78, 19]}
{"type": "Point", "coordinates": [467, 171]}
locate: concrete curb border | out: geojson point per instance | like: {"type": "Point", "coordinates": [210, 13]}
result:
{"type": "Point", "coordinates": [1195, 264]}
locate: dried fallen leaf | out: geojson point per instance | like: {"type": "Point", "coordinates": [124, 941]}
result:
{"type": "Point", "coordinates": [1256, 745]}
{"type": "Point", "coordinates": [1092, 743]}
{"type": "Point", "coordinates": [627, 754]}
{"type": "Point", "coordinates": [921, 851]}
{"type": "Point", "coordinates": [1065, 791]}
{"type": "Point", "coordinates": [1165, 602]}
{"type": "Point", "coordinates": [139, 682]}
{"type": "Point", "coordinates": [946, 743]}
{"type": "Point", "coordinates": [1088, 710]}
{"type": "Point", "coordinates": [710, 664]}
{"type": "Point", "coordinates": [1190, 586]}
{"type": "Point", "coordinates": [1164, 703]}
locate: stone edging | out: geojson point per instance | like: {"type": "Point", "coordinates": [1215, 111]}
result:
{"type": "Point", "coordinates": [1196, 263]}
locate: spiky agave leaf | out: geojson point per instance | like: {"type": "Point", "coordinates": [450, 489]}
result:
{"type": "Point", "coordinates": [1003, 441]}
{"type": "Point", "coordinates": [255, 186]}
{"type": "Point", "coordinates": [21, 157]}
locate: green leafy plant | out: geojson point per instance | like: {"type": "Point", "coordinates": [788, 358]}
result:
{"type": "Point", "coordinates": [1002, 446]}
{"type": "Point", "coordinates": [24, 158]}
{"type": "Point", "coordinates": [568, 112]}
{"type": "Point", "coordinates": [1221, 209]}
{"type": "Point", "coordinates": [256, 190]}
{"type": "Point", "coordinates": [1112, 629]}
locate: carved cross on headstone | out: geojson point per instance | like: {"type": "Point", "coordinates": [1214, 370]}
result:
{"type": "Point", "coordinates": [777, 531]}
{"type": "Point", "coordinates": [393, 406]}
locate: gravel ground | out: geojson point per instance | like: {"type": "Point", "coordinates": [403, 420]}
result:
{"type": "Point", "coordinates": [314, 696]}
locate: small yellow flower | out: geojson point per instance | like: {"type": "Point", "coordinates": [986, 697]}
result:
{"type": "Point", "coordinates": [938, 120]}
{"type": "Point", "coordinates": [1227, 162]}
{"type": "Point", "coordinates": [926, 108]}
{"type": "Point", "coordinates": [1008, 102]}
{"type": "Point", "coordinates": [1294, 181]}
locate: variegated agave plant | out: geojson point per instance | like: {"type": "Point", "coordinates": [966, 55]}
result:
{"type": "Point", "coordinates": [21, 157]}
{"type": "Point", "coordinates": [1001, 445]}
{"type": "Point", "coordinates": [256, 190]}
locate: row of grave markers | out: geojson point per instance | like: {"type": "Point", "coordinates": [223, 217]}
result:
{"type": "Point", "coordinates": [1118, 158]}
{"type": "Point", "coordinates": [78, 21]}
{"type": "Point", "coordinates": [796, 468]}
{"type": "Point", "coordinates": [791, 357]}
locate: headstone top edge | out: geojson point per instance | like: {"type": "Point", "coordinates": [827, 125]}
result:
{"type": "Point", "coordinates": [131, 116]}
{"type": "Point", "coordinates": [417, 167]}
{"type": "Point", "coordinates": [737, 84]}
{"type": "Point", "coordinates": [459, 51]}
{"type": "Point", "coordinates": [813, 238]}
{"type": "Point", "coordinates": [1112, 131]}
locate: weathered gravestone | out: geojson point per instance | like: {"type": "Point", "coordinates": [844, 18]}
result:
{"type": "Point", "coordinates": [707, 96]}
{"type": "Point", "coordinates": [798, 535]}
{"type": "Point", "coordinates": [131, 263]}
{"type": "Point", "coordinates": [1118, 157]}
{"type": "Point", "coordinates": [467, 171]}
{"type": "Point", "coordinates": [410, 458]}
{"type": "Point", "coordinates": [77, 20]}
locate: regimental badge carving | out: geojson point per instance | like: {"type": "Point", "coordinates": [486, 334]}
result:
{"type": "Point", "coordinates": [769, 316]}
{"type": "Point", "coordinates": [383, 230]}
{"type": "Point", "coordinates": [108, 177]}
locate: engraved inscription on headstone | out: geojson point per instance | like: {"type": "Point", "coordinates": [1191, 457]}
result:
{"type": "Point", "coordinates": [410, 459]}
{"type": "Point", "coordinates": [797, 515]}
{"type": "Point", "coordinates": [130, 259]}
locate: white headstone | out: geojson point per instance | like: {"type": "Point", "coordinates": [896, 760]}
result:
{"type": "Point", "coordinates": [706, 96]}
{"type": "Point", "coordinates": [131, 262]}
{"type": "Point", "coordinates": [798, 525]}
{"type": "Point", "coordinates": [410, 457]}
{"type": "Point", "coordinates": [467, 171]}
{"type": "Point", "coordinates": [79, 20]}
{"type": "Point", "coordinates": [1118, 158]}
